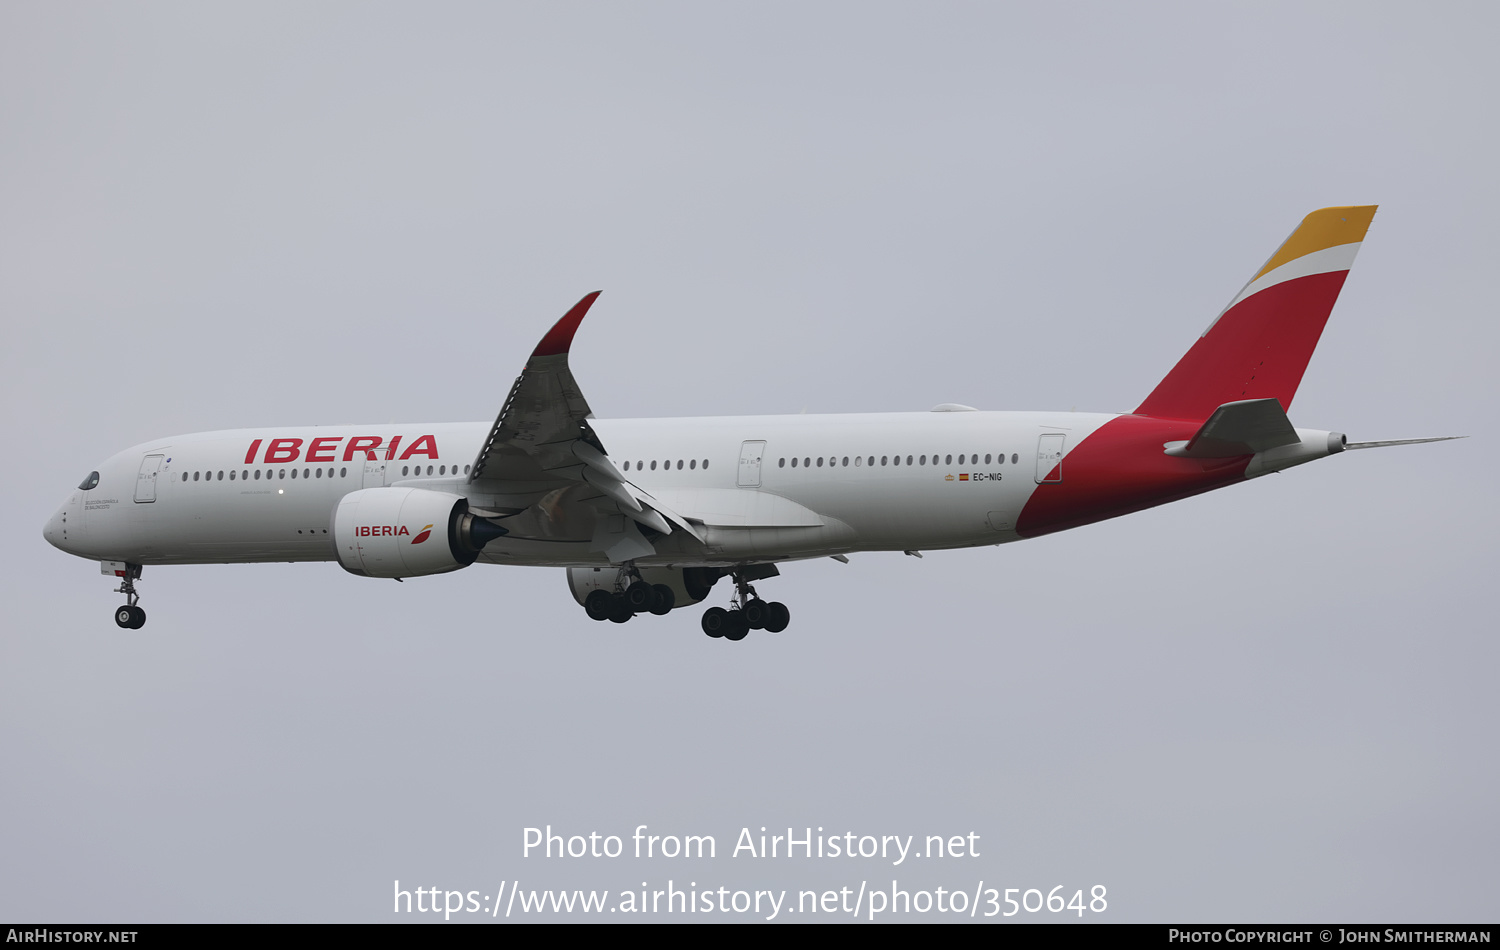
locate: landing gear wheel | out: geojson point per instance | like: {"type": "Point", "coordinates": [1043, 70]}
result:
{"type": "Point", "coordinates": [736, 627]}
{"type": "Point", "coordinates": [129, 617]}
{"type": "Point", "coordinates": [714, 621]}
{"type": "Point", "coordinates": [665, 600]}
{"type": "Point", "coordinates": [640, 596]}
{"type": "Point", "coordinates": [599, 604]}
{"type": "Point", "coordinates": [777, 616]}
{"type": "Point", "coordinates": [619, 610]}
{"type": "Point", "coordinates": [755, 614]}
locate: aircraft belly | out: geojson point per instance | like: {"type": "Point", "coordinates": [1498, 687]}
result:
{"type": "Point", "coordinates": [242, 552]}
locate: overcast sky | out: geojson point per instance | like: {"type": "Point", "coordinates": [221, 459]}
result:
{"type": "Point", "coordinates": [1270, 703]}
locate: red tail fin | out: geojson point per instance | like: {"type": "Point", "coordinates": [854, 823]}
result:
{"type": "Point", "coordinates": [1259, 346]}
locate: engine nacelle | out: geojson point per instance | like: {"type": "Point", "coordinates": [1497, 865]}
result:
{"type": "Point", "coordinates": [408, 532]}
{"type": "Point", "coordinates": [690, 584]}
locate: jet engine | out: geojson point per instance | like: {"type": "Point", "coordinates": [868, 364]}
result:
{"type": "Point", "coordinates": [408, 532]}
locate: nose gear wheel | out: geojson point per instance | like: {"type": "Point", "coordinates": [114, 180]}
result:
{"type": "Point", "coordinates": [130, 616]}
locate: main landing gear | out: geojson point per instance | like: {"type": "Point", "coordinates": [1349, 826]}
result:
{"type": "Point", "coordinates": [130, 617]}
{"type": "Point", "coordinates": [746, 612]}
{"type": "Point", "coordinates": [625, 592]}
{"type": "Point", "coordinates": [638, 597]}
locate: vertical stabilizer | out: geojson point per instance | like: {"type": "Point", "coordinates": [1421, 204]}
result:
{"type": "Point", "coordinates": [1258, 347]}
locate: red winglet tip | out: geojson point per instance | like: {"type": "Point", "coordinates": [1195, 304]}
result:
{"type": "Point", "coordinates": [560, 338]}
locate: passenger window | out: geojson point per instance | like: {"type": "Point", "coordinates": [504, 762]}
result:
{"type": "Point", "coordinates": [781, 463]}
{"type": "Point", "coordinates": [923, 460]}
{"type": "Point", "coordinates": [846, 461]}
{"type": "Point", "coordinates": [693, 464]}
{"type": "Point", "coordinates": [195, 476]}
{"type": "Point", "coordinates": [794, 463]}
{"type": "Point", "coordinates": [705, 463]}
{"type": "Point", "coordinates": [653, 465]}
{"type": "Point", "coordinates": [627, 466]}
{"type": "Point", "coordinates": [858, 461]}
{"type": "Point", "coordinates": [343, 473]}
{"type": "Point", "coordinates": [820, 461]}
{"type": "Point", "coordinates": [1014, 457]}
{"type": "Point", "coordinates": [184, 476]}
{"type": "Point", "coordinates": [679, 465]}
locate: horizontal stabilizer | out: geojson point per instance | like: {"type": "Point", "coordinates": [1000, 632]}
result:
{"type": "Point", "coordinates": [1381, 445]}
{"type": "Point", "coordinates": [1237, 428]}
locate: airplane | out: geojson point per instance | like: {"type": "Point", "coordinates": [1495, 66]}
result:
{"type": "Point", "coordinates": [647, 515]}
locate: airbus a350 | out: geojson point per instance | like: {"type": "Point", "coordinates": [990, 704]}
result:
{"type": "Point", "coordinates": [647, 515]}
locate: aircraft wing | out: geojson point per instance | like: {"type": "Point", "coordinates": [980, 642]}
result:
{"type": "Point", "coordinates": [542, 446]}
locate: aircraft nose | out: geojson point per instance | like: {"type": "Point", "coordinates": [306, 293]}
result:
{"type": "Point", "coordinates": [56, 530]}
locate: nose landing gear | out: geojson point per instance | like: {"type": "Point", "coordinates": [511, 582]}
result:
{"type": "Point", "coordinates": [130, 616]}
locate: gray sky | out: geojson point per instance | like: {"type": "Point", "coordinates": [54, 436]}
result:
{"type": "Point", "coordinates": [1270, 703]}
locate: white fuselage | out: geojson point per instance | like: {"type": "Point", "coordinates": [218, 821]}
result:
{"type": "Point", "coordinates": [824, 485]}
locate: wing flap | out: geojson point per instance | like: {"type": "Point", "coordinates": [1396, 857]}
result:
{"type": "Point", "coordinates": [739, 508]}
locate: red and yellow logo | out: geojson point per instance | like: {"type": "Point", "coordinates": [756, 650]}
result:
{"type": "Point", "coordinates": [391, 531]}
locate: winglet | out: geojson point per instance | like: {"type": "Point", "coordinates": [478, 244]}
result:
{"type": "Point", "coordinates": [560, 337]}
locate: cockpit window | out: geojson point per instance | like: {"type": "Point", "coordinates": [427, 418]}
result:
{"type": "Point", "coordinates": [91, 482]}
